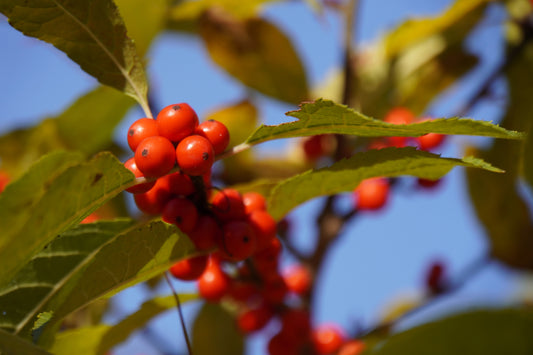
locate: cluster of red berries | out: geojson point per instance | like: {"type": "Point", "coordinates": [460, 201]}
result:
{"type": "Point", "coordinates": [372, 194]}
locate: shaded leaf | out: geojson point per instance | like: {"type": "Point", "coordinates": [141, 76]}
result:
{"type": "Point", "coordinates": [101, 338]}
{"type": "Point", "coordinates": [498, 203]}
{"type": "Point", "coordinates": [144, 20]}
{"type": "Point", "coordinates": [528, 157]}
{"type": "Point", "coordinates": [324, 116]}
{"type": "Point", "coordinates": [416, 30]}
{"type": "Point", "coordinates": [91, 33]}
{"type": "Point", "coordinates": [55, 194]}
{"type": "Point", "coordinates": [215, 326]}
{"type": "Point", "coordinates": [345, 175]}
{"type": "Point", "coordinates": [256, 53]}
{"type": "Point", "coordinates": [13, 345]}
{"type": "Point", "coordinates": [491, 332]}
{"type": "Point", "coordinates": [86, 263]}
{"type": "Point", "coordinates": [87, 125]}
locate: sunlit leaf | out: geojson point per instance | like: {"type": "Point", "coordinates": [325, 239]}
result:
{"type": "Point", "coordinates": [215, 326]}
{"type": "Point", "coordinates": [185, 15]}
{"type": "Point", "coordinates": [144, 20]}
{"type": "Point", "coordinates": [345, 175]}
{"type": "Point", "coordinates": [86, 263]}
{"type": "Point", "coordinates": [324, 116]}
{"type": "Point", "coordinates": [498, 203]}
{"type": "Point", "coordinates": [415, 30]}
{"type": "Point", "coordinates": [13, 345]}
{"type": "Point", "coordinates": [490, 332]}
{"type": "Point", "coordinates": [256, 53]}
{"type": "Point", "coordinates": [91, 33]}
{"type": "Point", "coordinates": [54, 195]}
{"type": "Point", "coordinates": [101, 338]}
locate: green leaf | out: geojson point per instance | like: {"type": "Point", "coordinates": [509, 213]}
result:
{"type": "Point", "coordinates": [184, 15]}
{"type": "Point", "coordinates": [415, 30]}
{"type": "Point", "coordinates": [86, 263]}
{"type": "Point", "coordinates": [55, 194]}
{"type": "Point", "coordinates": [325, 116]}
{"type": "Point", "coordinates": [498, 202]}
{"type": "Point", "coordinates": [13, 345]}
{"type": "Point", "coordinates": [215, 326]}
{"type": "Point", "coordinates": [256, 53]}
{"type": "Point", "coordinates": [345, 175]}
{"type": "Point", "coordinates": [101, 338]}
{"type": "Point", "coordinates": [144, 20]}
{"type": "Point", "coordinates": [91, 33]}
{"type": "Point", "coordinates": [492, 332]}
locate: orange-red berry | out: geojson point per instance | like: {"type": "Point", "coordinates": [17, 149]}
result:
{"type": "Point", "coordinates": [253, 201]}
{"type": "Point", "coordinates": [176, 122]}
{"type": "Point", "coordinates": [155, 156]}
{"type": "Point", "coordinates": [140, 188]}
{"type": "Point", "coordinates": [216, 133]}
{"type": "Point", "coordinates": [372, 194]}
{"type": "Point", "coordinates": [238, 240]}
{"type": "Point", "coordinates": [181, 212]}
{"type": "Point", "coordinates": [327, 339]}
{"type": "Point", "coordinates": [298, 279]}
{"type": "Point", "coordinates": [195, 155]}
{"type": "Point", "coordinates": [189, 269]}
{"type": "Point", "coordinates": [228, 205]}
{"type": "Point", "coordinates": [141, 129]}
{"type": "Point", "coordinates": [213, 283]}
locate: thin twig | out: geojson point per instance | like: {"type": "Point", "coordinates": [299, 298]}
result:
{"type": "Point", "coordinates": [180, 312]}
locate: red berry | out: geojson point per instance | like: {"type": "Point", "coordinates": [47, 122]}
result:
{"type": "Point", "coordinates": [254, 319]}
{"type": "Point", "coordinates": [253, 201]}
{"type": "Point", "coordinates": [206, 233]}
{"type": "Point", "coordinates": [181, 212]}
{"type": "Point", "coordinates": [140, 188]}
{"type": "Point", "coordinates": [141, 129]}
{"type": "Point", "coordinates": [189, 269]}
{"type": "Point", "coordinates": [298, 279]}
{"type": "Point", "coordinates": [327, 339]}
{"type": "Point", "coordinates": [213, 283]}
{"type": "Point", "coordinates": [195, 155]}
{"type": "Point", "coordinates": [153, 201]}
{"type": "Point", "coordinates": [372, 194]}
{"type": "Point", "coordinates": [313, 147]}
{"type": "Point", "coordinates": [399, 116]}
{"type": "Point", "coordinates": [155, 156]}
{"type": "Point", "coordinates": [93, 217]}
{"type": "Point", "coordinates": [352, 347]}
{"type": "Point", "coordinates": [264, 227]}
{"type": "Point", "coordinates": [176, 122]}
{"type": "Point", "coordinates": [4, 180]}
{"type": "Point", "coordinates": [435, 277]}
{"type": "Point", "coordinates": [296, 324]}
{"type": "Point", "coordinates": [177, 184]}
{"type": "Point", "coordinates": [216, 133]}
{"type": "Point", "coordinates": [242, 291]}
{"type": "Point", "coordinates": [430, 141]}
{"type": "Point", "coordinates": [274, 289]}
{"type": "Point", "coordinates": [238, 240]}
{"type": "Point", "coordinates": [228, 205]}
{"type": "Point", "coordinates": [280, 344]}
{"type": "Point", "coordinates": [266, 260]}
{"type": "Point", "coordinates": [428, 184]}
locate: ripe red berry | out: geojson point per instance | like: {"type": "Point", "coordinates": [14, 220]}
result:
{"type": "Point", "coordinates": [372, 194]}
{"type": "Point", "coordinates": [313, 147]}
{"type": "Point", "coordinates": [140, 188]}
{"type": "Point", "coordinates": [398, 116]}
{"type": "Point", "coordinates": [216, 133]}
{"type": "Point", "coordinates": [228, 205]}
{"type": "Point", "coordinates": [298, 279]}
{"type": "Point", "coordinates": [155, 156]}
{"type": "Point", "coordinates": [352, 347]}
{"type": "Point", "coordinates": [176, 122]}
{"type": "Point", "coordinates": [254, 319]}
{"type": "Point", "coordinates": [266, 261]}
{"type": "Point", "coordinates": [189, 269]}
{"type": "Point", "coordinates": [296, 324]}
{"type": "Point", "coordinates": [280, 344]}
{"type": "Point", "coordinates": [264, 227]}
{"type": "Point", "coordinates": [4, 180]}
{"type": "Point", "coordinates": [93, 217]}
{"type": "Point", "coordinates": [274, 289]}
{"type": "Point", "coordinates": [428, 184]}
{"type": "Point", "coordinates": [206, 233]}
{"type": "Point", "coordinates": [242, 291]}
{"type": "Point", "coordinates": [327, 339]}
{"type": "Point", "coordinates": [181, 212]}
{"type": "Point", "coordinates": [213, 283]}
{"type": "Point", "coordinates": [238, 240]}
{"type": "Point", "coordinates": [253, 201]}
{"type": "Point", "coordinates": [177, 184]}
{"type": "Point", "coordinates": [195, 155]}
{"type": "Point", "coordinates": [153, 201]}
{"type": "Point", "coordinates": [430, 141]}
{"type": "Point", "coordinates": [141, 129]}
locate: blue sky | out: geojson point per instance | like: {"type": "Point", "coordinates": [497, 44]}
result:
{"type": "Point", "coordinates": [381, 256]}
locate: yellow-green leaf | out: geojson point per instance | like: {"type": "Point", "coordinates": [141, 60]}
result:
{"type": "Point", "coordinates": [91, 33]}
{"type": "Point", "coordinates": [14, 345]}
{"type": "Point", "coordinates": [256, 53]}
{"type": "Point", "coordinates": [345, 175]}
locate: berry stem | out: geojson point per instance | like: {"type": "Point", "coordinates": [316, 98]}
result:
{"type": "Point", "coordinates": [180, 312]}
{"type": "Point", "coordinates": [235, 150]}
